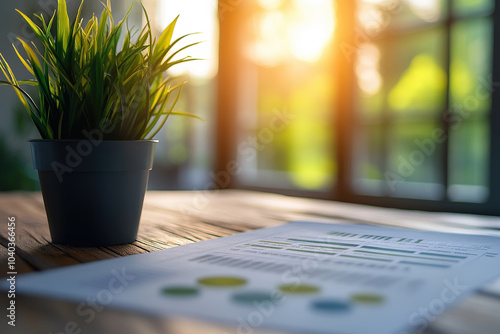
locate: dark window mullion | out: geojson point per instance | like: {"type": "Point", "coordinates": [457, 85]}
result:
{"type": "Point", "coordinates": [386, 124]}
{"type": "Point", "coordinates": [446, 125]}
{"type": "Point", "coordinates": [494, 118]}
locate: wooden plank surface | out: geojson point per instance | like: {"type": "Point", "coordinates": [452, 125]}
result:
{"type": "Point", "coordinates": [168, 219]}
{"type": "Point", "coordinates": [176, 218]}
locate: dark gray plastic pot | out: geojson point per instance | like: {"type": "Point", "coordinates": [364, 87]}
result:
{"type": "Point", "coordinates": [93, 190]}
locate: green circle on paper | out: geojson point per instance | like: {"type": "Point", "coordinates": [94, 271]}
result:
{"type": "Point", "coordinates": [180, 291]}
{"type": "Point", "coordinates": [250, 297]}
{"type": "Point", "coordinates": [367, 298]}
{"type": "Point", "coordinates": [298, 289]}
{"type": "Point", "coordinates": [222, 281]}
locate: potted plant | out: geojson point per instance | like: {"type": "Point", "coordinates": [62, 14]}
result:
{"type": "Point", "coordinates": [101, 102]}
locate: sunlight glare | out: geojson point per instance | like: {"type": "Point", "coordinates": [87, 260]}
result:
{"type": "Point", "coordinates": [378, 2]}
{"type": "Point", "coordinates": [203, 20]}
{"type": "Point", "coordinates": [372, 18]}
{"type": "Point", "coordinates": [270, 47]}
{"type": "Point", "coordinates": [427, 10]}
{"type": "Point", "coordinates": [311, 31]}
{"type": "Point", "coordinates": [302, 30]}
{"type": "Point", "coordinates": [367, 69]}
{"type": "Point", "coordinates": [270, 4]}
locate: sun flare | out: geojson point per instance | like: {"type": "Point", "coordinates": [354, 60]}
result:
{"type": "Point", "coordinates": [301, 29]}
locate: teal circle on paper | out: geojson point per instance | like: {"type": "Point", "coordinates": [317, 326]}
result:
{"type": "Point", "coordinates": [180, 291]}
{"type": "Point", "coordinates": [331, 305]}
{"type": "Point", "coordinates": [251, 297]}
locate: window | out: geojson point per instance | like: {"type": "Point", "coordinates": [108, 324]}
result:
{"type": "Point", "coordinates": [423, 88]}
{"type": "Point", "coordinates": [288, 72]}
{"type": "Point", "coordinates": [389, 101]}
{"type": "Point", "coordinates": [284, 94]}
{"type": "Point", "coordinates": [184, 155]}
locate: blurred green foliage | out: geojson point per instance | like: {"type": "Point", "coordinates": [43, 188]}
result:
{"type": "Point", "coordinates": [15, 174]}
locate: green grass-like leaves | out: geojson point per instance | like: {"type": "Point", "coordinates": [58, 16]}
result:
{"type": "Point", "coordinates": [86, 78]}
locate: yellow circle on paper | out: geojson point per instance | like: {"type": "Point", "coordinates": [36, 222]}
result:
{"type": "Point", "coordinates": [298, 289]}
{"type": "Point", "coordinates": [366, 298]}
{"type": "Point", "coordinates": [222, 281]}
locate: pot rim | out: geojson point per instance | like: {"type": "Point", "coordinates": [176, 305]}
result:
{"type": "Point", "coordinates": [92, 155]}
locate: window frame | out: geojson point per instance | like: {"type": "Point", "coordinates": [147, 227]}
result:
{"type": "Point", "coordinates": [345, 122]}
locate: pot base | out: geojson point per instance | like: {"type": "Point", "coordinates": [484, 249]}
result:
{"type": "Point", "coordinates": [94, 208]}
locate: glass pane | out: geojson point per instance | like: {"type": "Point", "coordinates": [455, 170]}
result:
{"type": "Point", "coordinates": [376, 16]}
{"type": "Point", "coordinates": [288, 72]}
{"type": "Point", "coordinates": [370, 81]}
{"type": "Point", "coordinates": [370, 163]}
{"type": "Point", "coordinates": [414, 74]}
{"type": "Point", "coordinates": [405, 75]}
{"type": "Point", "coordinates": [464, 7]}
{"type": "Point", "coordinates": [369, 160]}
{"type": "Point", "coordinates": [304, 145]}
{"type": "Point", "coordinates": [183, 157]}
{"type": "Point", "coordinates": [469, 159]}
{"type": "Point", "coordinates": [471, 61]}
{"type": "Point", "coordinates": [415, 150]}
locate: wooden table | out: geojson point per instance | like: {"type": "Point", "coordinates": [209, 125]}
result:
{"type": "Point", "coordinates": [176, 218]}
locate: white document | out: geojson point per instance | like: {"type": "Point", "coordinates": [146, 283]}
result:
{"type": "Point", "coordinates": [301, 277]}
